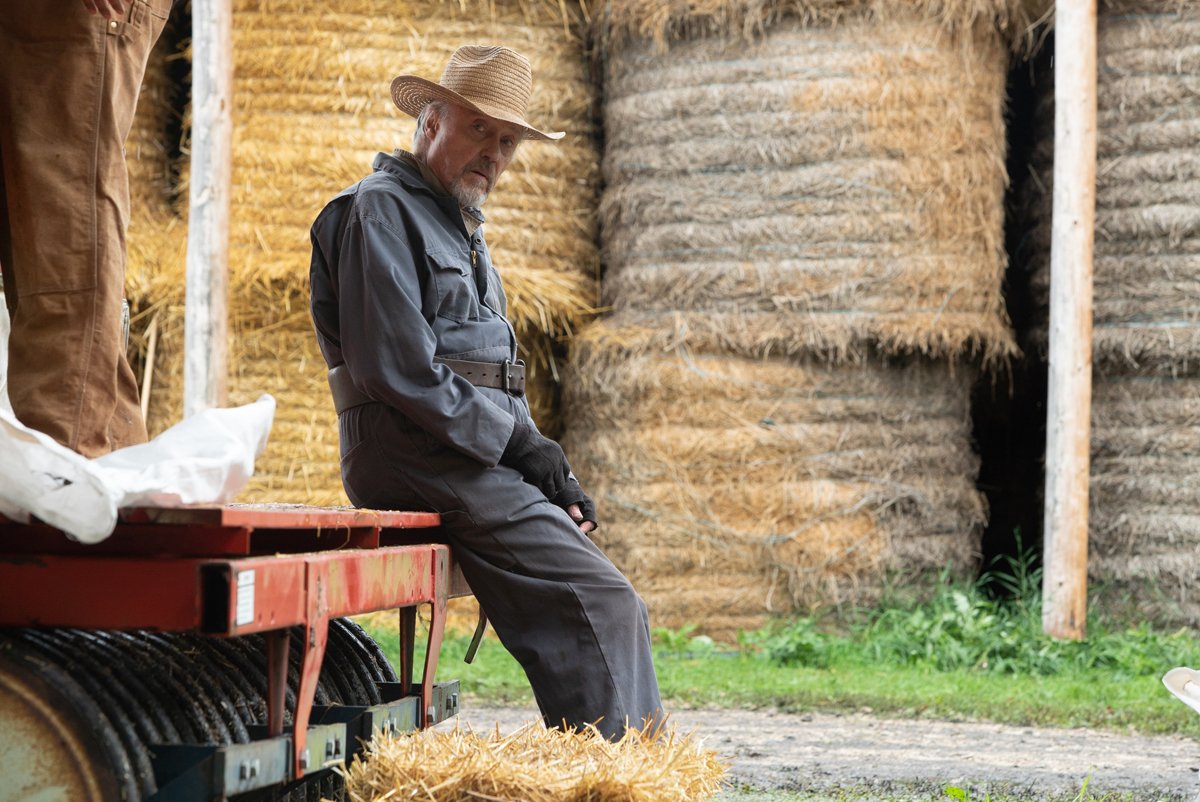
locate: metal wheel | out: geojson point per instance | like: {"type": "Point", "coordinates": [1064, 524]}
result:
{"type": "Point", "coordinates": [55, 743]}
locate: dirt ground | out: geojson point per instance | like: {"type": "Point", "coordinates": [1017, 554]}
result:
{"type": "Point", "coordinates": [781, 754]}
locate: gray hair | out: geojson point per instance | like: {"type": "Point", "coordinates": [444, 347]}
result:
{"type": "Point", "coordinates": [435, 107]}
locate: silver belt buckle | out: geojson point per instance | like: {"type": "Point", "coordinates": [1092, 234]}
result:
{"type": "Point", "coordinates": [521, 364]}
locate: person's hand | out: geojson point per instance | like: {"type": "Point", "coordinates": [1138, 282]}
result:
{"type": "Point", "coordinates": [539, 459]}
{"type": "Point", "coordinates": [113, 9]}
{"type": "Point", "coordinates": [579, 505]}
{"type": "Point", "coordinates": [576, 514]}
{"type": "Point", "coordinates": [542, 463]}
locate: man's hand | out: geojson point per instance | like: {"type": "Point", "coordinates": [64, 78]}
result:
{"type": "Point", "coordinates": [539, 459]}
{"type": "Point", "coordinates": [542, 462]}
{"type": "Point", "coordinates": [577, 516]}
{"type": "Point", "coordinates": [113, 9]}
{"type": "Point", "coordinates": [579, 505]}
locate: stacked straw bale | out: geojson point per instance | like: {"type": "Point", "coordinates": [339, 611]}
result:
{"type": "Point", "coordinates": [1146, 316]}
{"type": "Point", "coordinates": [312, 108]}
{"type": "Point", "coordinates": [803, 237]}
{"type": "Point", "coordinates": [739, 487]}
{"type": "Point", "coordinates": [822, 191]}
{"type": "Point", "coordinates": [1145, 505]}
{"type": "Point", "coordinates": [535, 764]}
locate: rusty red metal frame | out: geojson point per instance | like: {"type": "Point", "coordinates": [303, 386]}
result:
{"type": "Point", "coordinates": [226, 571]}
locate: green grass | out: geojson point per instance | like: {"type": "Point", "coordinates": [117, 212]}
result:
{"type": "Point", "coordinates": [959, 654]}
{"type": "Point", "coordinates": [1108, 698]}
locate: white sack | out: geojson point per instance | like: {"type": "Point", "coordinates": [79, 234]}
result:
{"type": "Point", "coordinates": [39, 476]}
{"type": "Point", "coordinates": [206, 459]}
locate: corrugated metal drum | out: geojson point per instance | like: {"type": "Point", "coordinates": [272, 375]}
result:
{"type": "Point", "coordinates": [55, 745]}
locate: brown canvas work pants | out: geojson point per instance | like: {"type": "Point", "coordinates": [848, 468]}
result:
{"type": "Point", "coordinates": [69, 82]}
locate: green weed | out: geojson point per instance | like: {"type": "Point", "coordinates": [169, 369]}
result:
{"type": "Point", "coordinates": [683, 642]}
{"type": "Point", "coordinates": [799, 643]}
{"type": "Point", "coordinates": [964, 627]}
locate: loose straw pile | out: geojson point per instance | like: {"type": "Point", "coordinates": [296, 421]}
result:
{"type": "Point", "coordinates": [534, 764]}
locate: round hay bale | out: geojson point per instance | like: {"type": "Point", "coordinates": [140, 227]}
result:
{"type": "Point", "coordinates": [731, 488]}
{"type": "Point", "coordinates": [1144, 531]}
{"type": "Point", "coordinates": [276, 353]}
{"type": "Point", "coordinates": [1147, 246]}
{"type": "Point", "coordinates": [542, 379]}
{"type": "Point", "coordinates": [1016, 21]}
{"type": "Point", "coordinates": [313, 107]}
{"type": "Point", "coordinates": [823, 190]}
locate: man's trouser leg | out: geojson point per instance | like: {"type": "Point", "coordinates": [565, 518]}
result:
{"type": "Point", "coordinates": [559, 605]}
{"type": "Point", "coordinates": [69, 82]}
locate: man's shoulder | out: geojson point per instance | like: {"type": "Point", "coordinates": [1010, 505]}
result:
{"type": "Point", "coordinates": [376, 196]}
{"type": "Point", "coordinates": [333, 214]}
{"type": "Point", "coordinates": [380, 188]}
{"type": "Point", "coordinates": [387, 191]}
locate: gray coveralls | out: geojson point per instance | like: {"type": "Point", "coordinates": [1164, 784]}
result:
{"type": "Point", "coordinates": [396, 279]}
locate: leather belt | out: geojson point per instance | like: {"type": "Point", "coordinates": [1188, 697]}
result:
{"type": "Point", "coordinates": [345, 394]}
{"type": "Point", "coordinates": [506, 376]}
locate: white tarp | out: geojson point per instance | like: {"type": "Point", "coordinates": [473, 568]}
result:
{"type": "Point", "coordinates": [206, 459]}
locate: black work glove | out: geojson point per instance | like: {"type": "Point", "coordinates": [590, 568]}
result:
{"type": "Point", "coordinates": [538, 458]}
{"type": "Point", "coordinates": [544, 465]}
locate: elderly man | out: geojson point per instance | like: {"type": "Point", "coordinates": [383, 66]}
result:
{"type": "Point", "coordinates": [410, 315]}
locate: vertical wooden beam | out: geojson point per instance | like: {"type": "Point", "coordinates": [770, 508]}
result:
{"type": "Point", "coordinates": [1069, 401]}
{"type": "Point", "coordinates": [205, 317]}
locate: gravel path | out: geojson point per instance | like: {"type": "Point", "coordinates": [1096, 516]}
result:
{"type": "Point", "coordinates": [774, 751]}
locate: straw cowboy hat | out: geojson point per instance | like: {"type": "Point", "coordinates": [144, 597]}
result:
{"type": "Point", "coordinates": [494, 81]}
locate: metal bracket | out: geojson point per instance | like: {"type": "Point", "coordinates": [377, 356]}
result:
{"type": "Point", "coordinates": [316, 634]}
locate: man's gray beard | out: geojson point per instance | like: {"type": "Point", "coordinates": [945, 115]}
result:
{"type": "Point", "coordinates": [468, 198]}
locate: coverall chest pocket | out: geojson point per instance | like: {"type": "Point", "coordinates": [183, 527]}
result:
{"type": "Point", "coordinates": [457, 298]}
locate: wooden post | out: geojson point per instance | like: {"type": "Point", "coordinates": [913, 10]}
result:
{"type": "Point", "coordinates": [1069, 401]}
{"type": "Point", "coordinates": [205, 319]}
